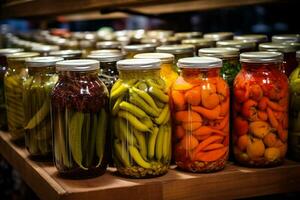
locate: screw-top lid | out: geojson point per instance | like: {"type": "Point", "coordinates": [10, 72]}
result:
{"type": "Point", "coordinates": [199, 42]}
{"type": "Point", "coordinates": [106, 51]}
{"type": "Point", "coordinates": [21, 56]}
{"type": "Point", "coordinates": [139, 47]}
{"type": "Point", "coordinates": [42, 61]}
{"type": "Point", "coordinates": [45, 48]}
{"type": "Point", "coordinates": [199, 62]}
{"type": "Point", "coordinates": [186, 35]}
{"type": "Point", "coordinates": [278, 47]}
{"type": "Point", "coordinates": [66, 53]}
{"type": "Point", "coordinates": [296, 45]}
{"type": "Point", "coordinates": [175, 49]}
{"type": "Point", "coordinates": [79, 65]}
{"type": "Point", "coordinates": [8, 51]}
{"type": "Point", "coordinates": [286, 38]}
{"type": "Point", "coordinates": [219, 36]}
{"type": "Point", "coordinates": [239, 44]}
{"type": "Point", "coordinates": [107, 57]}
{"type": "Point", "coordinates": [257, 38]}
{"type": "Point", "coordinates": [138, 64]}
{"type": "Point", "coordinates": [261, 57]}
{"type": "Point", "coordinates": [108, 45]}
{"type": "Point", "coordinates": [163, 57]}
{"type": "Point", "coordinates": [219, 52]}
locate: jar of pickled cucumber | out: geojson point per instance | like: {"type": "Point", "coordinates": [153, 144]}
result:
{"type": "Point", "coordinates": [141, 123]}
{"type": "Point", "coordinates": [294, 113]}
{"type": "Point", "coordinates": [108, 45]}
{"type": "Point", "coordinates": [79, 119]}
{"type": "Point", "coordinates": [108, 67]}
{"type": "Point", "coordinates": [242, 46]}
{"type": "Point", "coordinates": [36, 102]}
{"type": "Point", "coordinates": [230, 57]}
{"type": "Point", "coordinates": [44, 50]}
{"type": "Point", "coordinates": [67, 54]}
{"type": "Point", "coordinates": [260, 110]}
{"type": "Point", "coordinates": [219, 36]}
{"type": "Point", "coordinates": [132, 50]}
{"type": "Point", "coordinates": [286, 38]}
{"type": "Point", "coordinates": [289, 55]}
{"type": "Point", "coordinates": [3, 67]}
{"type": "Point", "coordinates": [13, 88]}
{"type": "Point", "coordinates": [167, 71]}
{"type": "Point", "coordinates": [188, 35]}
{"type": "Point", "coordinates": [179, 51]}
{"type": "Point", "coordinates": [256, 38]}
{"type": "Point", "coordinates": [199, 43]}
{"type": "Point", "coordinates": [200, 109]}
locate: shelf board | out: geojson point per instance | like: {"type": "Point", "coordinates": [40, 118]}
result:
{"type": "Point", "coordinates": [232, 183]}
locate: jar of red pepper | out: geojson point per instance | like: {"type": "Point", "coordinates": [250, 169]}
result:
{"type": "Point", "coordinates": [200, 110]}
{"type": "Point", "coordinates": [260, 110]}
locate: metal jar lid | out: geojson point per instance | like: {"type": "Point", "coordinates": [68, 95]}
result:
{"type": "Point", "coordinates": [199, 62]}
{"type": "Point", "coordinates": [261, 57]}
{"type": "Point", "coordinates": [45, 48]}
{"type": "Point", "coordinates": [296, 45]}
{"type": "Point", "coordinates": [163, 57]}
{"type": "Point", "coordinates": [219, 52]}
{"type": "Point", "coordinates": [8, 51]}
{"type": "Point", "coordinates": [79, 65]}
{"type": "Point", "coordinates": [66, 53]}
{"type": "Point", "coordinates": [108, 45]}
{"type": "Point", "coordinates": [187, 35]}
{"type": "Point", "coordinates": [42, 61]}
{"type": "Point", "coordinates": [21, 56]}
{"type": "Point", "coordinates": [175, 49]}
{"type": "Point", "coordinates": [278, 47]}
{"type": "Point", "coordinates": [239, 44]}
{"type": "Point", "coordinates": [106, 51]}
{"type": "Point", "coordinates": [139, 48]}
{"type": "Point", "coordinates": [199, 42]}
{"type": "Point", "coordinates": [107, 57]}
{"type": "Point", "coordinates": [138, 64]}
{"type": "Point", "coordinates": [219, 36]}
{"type": "Point", "coordinates": [257, 38]}
{"type": "Point", "coordinates": [286, 38]}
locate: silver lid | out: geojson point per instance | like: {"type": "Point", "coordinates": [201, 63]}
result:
{"type": "Point", "coordinates": [66, 53]}
{"type": "Point", "coordinates": [21, 56]}
{"type": "Point", "coordinates": [286, 38]}
{"type": "Point", "coordinates": [139, 47]}
{"type": "Point", "coordinates": [278, 47]}
{"type": "Point", "coordinates": [200, 62]}
{"type": "Point", "coordinates": [8, 51]}
{"type": "Point", "coordinates": [106, 57]}
{"type": "Point", "coordinates": [163, 57]}
{"type": "Point", "coordinates": [199, 42]}
{"type": "Point", "coordinates": [219, 52]}
{"type": "Point", "coordinates": [138, 64]}
{"type": "Point", "coordinates": [186, 35]}
{"type": "Point", "coordinates": [296, 45]}
{"type": "Point", "coordinates": [42, 61]}
{"type": "Point", "coordinates": [106, 51]}
{"type": "Point", "coordinates": [257, 38]}
{"type": "Point", "coordinates": [261, 57]}
{"type": "Point", "coordinates": [45, 48]}
{"type": "Point", "coordinates": [108, 45]}
{"type": "Point", "coordinates": [175, 49]}
{"type": "Point", "coordinates": [79, 65]}
{"type": "Point", "coordinates": [219, 36]}
{"type": "Point", "coordinates": [239, 44]}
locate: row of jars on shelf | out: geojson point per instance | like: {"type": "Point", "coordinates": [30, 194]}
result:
{"type": "Point", "coordinates": [140, 112]}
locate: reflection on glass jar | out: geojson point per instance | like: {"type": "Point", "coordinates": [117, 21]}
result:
{"type": "Point", "coordinates": [200, 109]}
{"type": "Point", "coordinates": [79, 118]}
{"type": "Point", "coordinates": [140, 120]}
{"type": "Point", "coordinates": [260, 110]}
{"type": "Point", "coordinates": [132, 50]}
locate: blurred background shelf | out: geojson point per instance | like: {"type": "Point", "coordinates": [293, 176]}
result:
{"type": "Point", "coordinates": [232, 183]}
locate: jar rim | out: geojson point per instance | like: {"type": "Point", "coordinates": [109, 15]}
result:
{"type": "Point", "coordinates": [239, 44]}
{"type": "Point", "coordinates": [163, 57]}
{"type": "Point", "coordinates": [66, 53]}
{"type": "Point", "coordinates": [200, 62]}
{"type": "Point", "coordinates": [8, 51]}
{"type": "Point", "coordinates": [219, 52]}
{"type": "Point", "coordinates": [278, 47]}
{"type": "Point", "coordinates": [139, 47]}
{"type": "Point", "coordinates": [45, 48]}
{"type": "Point", "coordinates": [175, 48]}
{"type": "Point", "coordinates": [106, 57]}
{"type": "Point", "coordinates": [21, 56]}
{"type": "Point", "coordinates": [79, 65]}
{"type": "Point", "coordinates": [261, 57]}
{"type": "Point", "coordinates": [216, 36]}
{"type": "Point", "coordinates": [42, 61]}
{"type": "Point", "coordinates": [286, 38]}
{"type": "Point", "coordinates": [252, 37]}
{"type": "Point", "coordinates": [138, 64]}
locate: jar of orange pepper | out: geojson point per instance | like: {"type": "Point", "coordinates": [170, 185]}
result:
{"type": "Point", "coordinates": [260, 110]}
{"type": "Point", "coordinates": [200, 109]}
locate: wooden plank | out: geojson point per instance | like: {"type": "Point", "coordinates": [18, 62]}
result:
{"type": "Point", "coordinates": [231, 183]}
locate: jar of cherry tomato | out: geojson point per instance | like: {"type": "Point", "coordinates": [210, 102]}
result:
{"type": "Point", "coordinates": [260, 110]}
{"type": "Point", "coordinates": [294, 128]}
{"type": "Point", "coordinates": [289, 55]}
{"type": "Point", "coordinates": [200, 110]}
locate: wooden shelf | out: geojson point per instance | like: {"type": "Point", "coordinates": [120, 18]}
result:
{"type": "Point", "coordinates": [232, 183]}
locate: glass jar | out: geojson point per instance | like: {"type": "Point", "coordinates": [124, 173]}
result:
{"type": "Point", "coordinates": [13, 88]}
{"type": "Point", "coordinates": [286, 38]}
{"type": "Point", "coordinates": [242, 46]}
{"type": "Point", "coordinates": [108, 45]}
{"type": "Point", "coordinates": [289, 55]}
{"type": "Point", "coordinates": [44, 50]}
{"type": "Point", "coordinates": [188, 35]}
{"type": "Point", "coordinates": [108, 67]}
{"type": "Point", "coordinates": [36, 102]}
{"type": "Point", "coordinates": [294, 113]}
{"type": "Point", "coordinates": [179, 51]}
{"type": "Point", "coordinates": [167, 71]}
{"type": "Point", "coordinates": [218, 36]}
{"type": "Point", "coordinates": [200, 110]}
{"type": "Point", "coordinates": [199, 43]}
{"type": "Point", "coordinates": [3, 67]}
{"type": "Point", "coordinates": [260, 110]}
{"type": "Point", "coordinates": [257, 38]}
{"type": "Point", "coordinates": [230, 57]}
{"type": "Point", "coordinates": [67, 54]}
{"type": "Point", "coordinates": [132, 50]}
{"type": "Point", "coordinates": [140, 120]}
{"type": "Point", "coordinates": [79, 119]}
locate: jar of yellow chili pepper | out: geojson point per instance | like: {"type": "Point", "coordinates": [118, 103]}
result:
{"type": "Point", "coordinates": [200, 109]}
{"type": "Point", "coordinates": [13, 88]}
{"type": "Point", "coordinates": [260, 110]}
